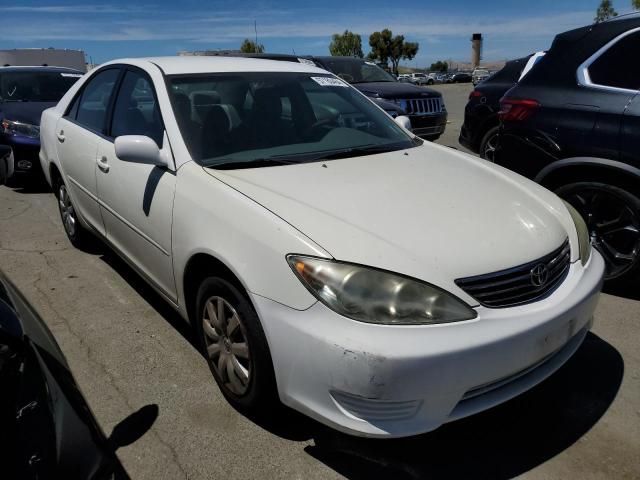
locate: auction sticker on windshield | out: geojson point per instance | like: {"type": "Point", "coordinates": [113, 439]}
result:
{"type": "Point", "coordinates": [329, 82]}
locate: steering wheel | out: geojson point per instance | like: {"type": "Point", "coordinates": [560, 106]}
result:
{"type": "Point", "coordinates": [346, 77]}
{"type": "Point", "coordinates": [308, 132]}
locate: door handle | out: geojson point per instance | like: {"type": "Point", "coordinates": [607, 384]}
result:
{"type": "Point", "coordinates": [102, 164]}
{"type": "Point", "coordinates": [61, 136]}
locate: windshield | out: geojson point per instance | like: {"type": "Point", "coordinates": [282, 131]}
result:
{"type": "Point", "coordinates": [354, 70]}
{"type": "Point", "coordinates": [241, 120]}
{"type": "Point", "coordinates": [30, 86]}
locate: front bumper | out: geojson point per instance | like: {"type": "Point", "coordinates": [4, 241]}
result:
{"type": "Point", "coordinates": [26, 152]}
{"type": "Point", "coordinates": [428, 125]}
{"type": "Point", "coordinates": [394, 381]}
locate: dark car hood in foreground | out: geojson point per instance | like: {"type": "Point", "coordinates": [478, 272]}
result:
{"type": "Point", "coordinates": [25, 112]}
{"type": "Point", "coordinates": [396, 90]}
{"type": "Point", "coordinates": [48, 430]}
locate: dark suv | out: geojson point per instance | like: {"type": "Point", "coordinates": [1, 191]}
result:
{"type": "Point", "coordinates": [479, 132]}
{"type": "Point", "coordinates": [573, 124]}
{"type": "Point", "coordinates": [25, 92]}
{"type": "Point", "coordinates": [424, 106]}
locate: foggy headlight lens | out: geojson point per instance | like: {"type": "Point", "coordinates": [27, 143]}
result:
{"type": "Point", "coordinates": [11, 127]}
{"type": "Point", "coordinates": [374, 296]}
{"type": "Point", "coordinates": [584, 239]}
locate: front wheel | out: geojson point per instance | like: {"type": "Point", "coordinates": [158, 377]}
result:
{"type": "Point", "coordinates": [612, 215]}
{"type": "Point", "coordinates": [235, 346]}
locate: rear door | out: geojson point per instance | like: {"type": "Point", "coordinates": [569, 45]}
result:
{"type": "Point", "coordinates": [136, 200]}
{"type": "Point", "coordinates": [613, 76]}
{"type": "Point", "coordinates": [630, 138]}
{"type": "Point", "coordinates": [78, 132]}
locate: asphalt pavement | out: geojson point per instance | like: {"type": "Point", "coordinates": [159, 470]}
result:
{"type": "Point", "coordinates": [127, 350]}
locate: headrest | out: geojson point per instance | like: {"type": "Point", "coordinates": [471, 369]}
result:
{"type": "Point", "coordinates": [205, 98]}
{"type": "Point", "coordinates": [216, 122]}
{"type": "Point", "coordinates": [266, 101]}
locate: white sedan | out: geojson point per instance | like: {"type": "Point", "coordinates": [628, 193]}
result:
{"type": "Point", "coordinates": [325, 256]}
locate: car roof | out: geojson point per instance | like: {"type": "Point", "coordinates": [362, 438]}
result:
{"type": "Point", "coordinates": [214, 64]}
{"type": "Point", "coordinates": [38, 68]}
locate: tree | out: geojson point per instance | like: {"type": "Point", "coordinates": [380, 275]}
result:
{"type": "Point", "coordinates": [249, 46]}
{"type": "Point", "coordinates": [439, 66]}
{"type": "Point", "coordinates": [385, 47]}
{"type": "Point", "coordinates": [348, 44]}
{"type": "Point", "coordinates": [606, 11]}
{"type": "Point", "coordinates": [635, 4]}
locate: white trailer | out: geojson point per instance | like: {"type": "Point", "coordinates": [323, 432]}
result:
{"type": "Point", "coordinates": [52, 57]}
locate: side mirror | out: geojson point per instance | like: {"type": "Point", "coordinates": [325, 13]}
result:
{"type": "Point", "coordinates": [5, 167]}
{"type": "Point", "coordinates": [403, 121]}
{"type": "Point", "coordinates": [139, 149]}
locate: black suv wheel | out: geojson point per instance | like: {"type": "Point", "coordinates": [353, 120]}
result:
{"type": "Point", "coordinates": [613, 217]}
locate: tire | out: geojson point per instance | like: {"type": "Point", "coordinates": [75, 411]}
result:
{"type": "Point", "coordinates": [488, 144]}
{"type": "Point", "coordinates": [77, 234]}
{"type": "Point", "coordinates": [612, 215]}
{"type": "Point", "coordinates": [229, 361]}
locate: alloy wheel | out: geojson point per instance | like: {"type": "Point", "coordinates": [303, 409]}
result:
{"type": "Point", "coordinates": [613, 225]}
{"type": "Point", "coordinates": [489, 151]}
{"type": "Point", "coordinates": [67, 212]}
{"type": "Point", "coordinates": [227, 346]}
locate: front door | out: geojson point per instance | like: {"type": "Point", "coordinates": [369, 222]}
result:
{"type": "Point", "coordinates": [136, 200]}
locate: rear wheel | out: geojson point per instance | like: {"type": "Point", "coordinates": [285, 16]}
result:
{"type": "Point", "coordinates": [234, 344]}
{"type": "Point", "coordinates": [612, 215]}
{"type": "Point", "coordinates": [489, 144]}
{"type": "Point", "coordinates": [79, 236]}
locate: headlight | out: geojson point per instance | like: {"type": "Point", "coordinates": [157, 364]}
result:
{"type": "Point", "coordinates": [584, 239]}
{"type": "Point", "coordinates": [374, 296]}
{"type": "Point", "coordinates": [11, 127]}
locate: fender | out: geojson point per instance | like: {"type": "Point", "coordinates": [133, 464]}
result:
{"type": "Point", "coordinates": [613, 165]}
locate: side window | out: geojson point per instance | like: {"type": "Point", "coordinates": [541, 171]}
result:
{"type": "Point", "coordinates": [73, 111]}
{"type": "Point", "coordinates": [136, 109]}
{"type": "Point", "coordinates": [617, 66]}
{"type": "Point", "coordinates": [92, 108]}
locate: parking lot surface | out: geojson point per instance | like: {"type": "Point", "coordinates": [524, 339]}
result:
{"type": "Point", "coordinates": [127, 350]}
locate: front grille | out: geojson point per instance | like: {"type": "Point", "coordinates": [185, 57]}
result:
{"type": "Point", "coordinates": [418, 106]}
{"type": "Point", "coordinates": [520, 285]}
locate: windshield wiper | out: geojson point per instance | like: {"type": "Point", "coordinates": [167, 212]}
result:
{"type": "Point", "coordinates": [359, 151]}
{"type": "Point", "coordinates": [256, 163]}
{"type": "Point", "coordinates": [372, 81]}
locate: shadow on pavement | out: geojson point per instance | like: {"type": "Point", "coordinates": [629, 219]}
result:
{"type": "Point", "coordinates": [143, 289]}
{"type": "Point", "coordinates": [29, 185]}
{"type": "Point", "coordinates": [133, 428]}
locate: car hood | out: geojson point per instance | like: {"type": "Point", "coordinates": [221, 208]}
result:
{"type": "Point", "coordinates": [25, 112]}
{"type": "Point", "coordinates": [396, 90]}
{"type": "Point", "coordinates": [429, 212]}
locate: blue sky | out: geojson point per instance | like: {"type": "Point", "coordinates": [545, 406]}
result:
{"type": "Point", "coordinates": [121, 28]}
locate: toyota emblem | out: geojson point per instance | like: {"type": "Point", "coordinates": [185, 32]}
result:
{"type": "Point", "coordinates": [539, 275]}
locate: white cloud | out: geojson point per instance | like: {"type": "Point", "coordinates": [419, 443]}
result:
{"type": "Point", "coordinates": [71, 9]}
{"type": "Point", "coordinates": [309, 28]}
